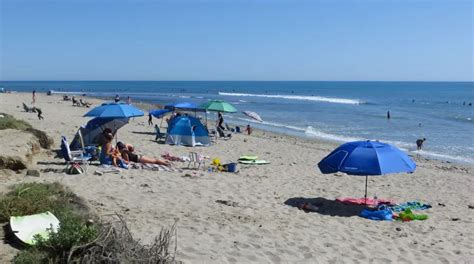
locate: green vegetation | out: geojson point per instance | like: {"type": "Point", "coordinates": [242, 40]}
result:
{"type": "Point", "coordinates": [9, 122]}
{"type": "Point", "coordinates": [79, 239]}
{"type": "Point", "coordinates": [33, 198]}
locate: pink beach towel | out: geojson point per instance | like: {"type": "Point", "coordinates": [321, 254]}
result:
{"type": "Point", "coordinates": [370, 201]}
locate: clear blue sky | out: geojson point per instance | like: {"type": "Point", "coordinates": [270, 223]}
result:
{"type": "Point", "coordinates": [236, 40]}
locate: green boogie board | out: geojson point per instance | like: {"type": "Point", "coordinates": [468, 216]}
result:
{"type": "Point", "coordinates": [248, 157]}
{"type": "Point", "coordinates": [254, 162]}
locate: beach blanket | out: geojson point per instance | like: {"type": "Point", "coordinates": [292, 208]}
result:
{"type": "Point", "coordinates": [155, 167]}
{"type": "Point", "coordinates": [413, 205]}
{"type": "Point", "coordinates": [361, 201]}
{"type": "Point", "coordinates": [170, 157]}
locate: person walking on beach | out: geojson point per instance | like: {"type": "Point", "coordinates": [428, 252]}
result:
{"type": "Point", "coordinates": [150, 119]}
{"type": "Point", "coordinates": [419, 143]}
{"type": "Point", "coordinates": [388, 114]}
{"type": "Point", "coordinates": [34, 96]}
{"type": "Point", "coordinates": [40, 113]}
{"type": "Point", "coordinates": [220, 121]}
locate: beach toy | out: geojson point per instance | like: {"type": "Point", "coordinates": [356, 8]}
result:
{"type": "Point", "coordinates": [248, 157]}
{"type": "Point", "coordinates": [254, 162]}
{"type": "Point", "coordinates": [26, 227]}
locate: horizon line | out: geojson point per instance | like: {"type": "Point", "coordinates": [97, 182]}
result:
{"type": "Point", "coordinates": [236, 80]}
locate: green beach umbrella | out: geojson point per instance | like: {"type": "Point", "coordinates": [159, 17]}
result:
{"type": "Point", "coordinates": [219, 106]}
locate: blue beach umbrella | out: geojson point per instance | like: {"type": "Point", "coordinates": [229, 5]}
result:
{"type": "Point", "coordinates": [185, 106]}
{"type": "Point", "coordinates": [159, 113]}
{"type": "Point", "coordinates": [115, 110]}
{"type": "Point", "coordinates": [367, 158]}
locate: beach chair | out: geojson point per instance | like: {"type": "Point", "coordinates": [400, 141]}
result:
{"type": "Point", "coordinates": [159, 136]}
{"type": "Point", "coordinates": [222, 134]}
{"type": "Point", "coordinates": [196, 158]}
{"type": "Point", "coordinates": [76, 156]}
{"type": "Point", "coordinates": [212, 135]}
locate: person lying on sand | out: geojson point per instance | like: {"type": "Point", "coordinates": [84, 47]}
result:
{"type": "Point", "coordinates": [128, 155]}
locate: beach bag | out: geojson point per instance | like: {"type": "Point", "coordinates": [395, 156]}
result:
{"type": "Point", "coordinates": [230, 167]}
{"type": "Point", "coordinates": [75, 168]}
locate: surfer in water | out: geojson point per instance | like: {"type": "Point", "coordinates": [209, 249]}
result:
{"type": "Point", "coordinates": [388, 114]}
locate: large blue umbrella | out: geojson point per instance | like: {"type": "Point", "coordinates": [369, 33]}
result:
{"type": "Point", "coordinates": [115, 110]}
{"type": "Point", "coordinates": [159, 113]}
{"type": "Point", "coordinates": [367, 158]}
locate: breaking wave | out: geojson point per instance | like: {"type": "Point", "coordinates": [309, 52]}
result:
{"type": "Point", "coordinates": [299, 97]}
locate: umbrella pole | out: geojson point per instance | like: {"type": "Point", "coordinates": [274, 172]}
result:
{"type": "Point", "coordinates": [365, 196]}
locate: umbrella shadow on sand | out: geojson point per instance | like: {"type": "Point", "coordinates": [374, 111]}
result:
{"type": "Point", "coordinates": [324, 206]}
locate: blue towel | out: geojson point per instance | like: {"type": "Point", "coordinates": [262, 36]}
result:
{"type": "Point", "coordinates": [383, 214]}
{"type": "Point", "coordinates": [413, 205]}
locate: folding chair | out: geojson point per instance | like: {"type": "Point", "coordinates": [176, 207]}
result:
{"type": "Point", "coordinates": [196, 158]}
{"type": "Point", "coordinates": [76, 156]}
{"type": "Point", "coordinates": [159, 136]}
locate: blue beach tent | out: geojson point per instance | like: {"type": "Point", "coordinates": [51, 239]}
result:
{"type": "Point", "coordinates": [180, 132]}
{"type": "Point", "coordinates": [92, 131]}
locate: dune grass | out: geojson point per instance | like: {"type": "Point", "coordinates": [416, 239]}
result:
{"type": "Point", "coordinates": [9, 122]}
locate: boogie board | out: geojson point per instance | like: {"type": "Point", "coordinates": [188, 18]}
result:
{"type": "Point", "coordinates": [248, 157]}
{"type": "Point", "coordinates": [254, 162]}
{"type": "Point", "coordinates": [26, 227]}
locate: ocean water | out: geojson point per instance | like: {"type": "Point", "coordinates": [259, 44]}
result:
{"type": "Point", "coordinates": [335, 111]}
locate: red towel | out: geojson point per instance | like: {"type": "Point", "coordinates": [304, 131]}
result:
{"type": "Point", "coordinates": [370, 201]}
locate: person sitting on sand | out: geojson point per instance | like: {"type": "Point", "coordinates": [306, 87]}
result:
{"type": "Point", "coordinates": [419, 143]}
{"type": "Point", "coordinates": [128, 155]}
{"type": "Point", "coordinates": [109, 155]}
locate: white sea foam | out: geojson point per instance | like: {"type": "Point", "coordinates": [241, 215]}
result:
{"type": "Point", "coordinates": [310, 131]}
{"type": "Point", "coordinates": [299, 97]}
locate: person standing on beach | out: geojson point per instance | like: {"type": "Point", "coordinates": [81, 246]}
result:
{"type": "Point", "coordinates": [34, 96]}
{"type": "Point", "coordinates": [117, 98]}
{"type": "Point", "coordinates": [220, 121]}
{"type": "Point", "coordinates": [129, 100]}
{"type": "Point", "coordinates": [150, 119]}
{"type": "Point", "coordinates": [388, 114]}
{"type": "Point", "coordinates": [419, 143]}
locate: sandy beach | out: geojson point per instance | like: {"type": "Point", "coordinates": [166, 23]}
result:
{"type": "Point", "coordinates": [258, 224]}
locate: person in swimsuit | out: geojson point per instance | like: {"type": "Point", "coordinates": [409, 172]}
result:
{"type": "Point", "coordinates": [109, 155]}
{"type": "Point", "coordinates": [129, 156]}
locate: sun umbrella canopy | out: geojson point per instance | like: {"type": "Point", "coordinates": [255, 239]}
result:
{"type": "Point", "coordinates": [185, 106]}
{"type": "Point", "coordinates": [367, 158]}
{"type": "Point", "coordinates": [159, 113]}
{"type": "Point", "coordinates": [115, 110]}
{"type": "Point", "coordinates": [219, 106]}
{"type": "Point", "coordinates": [253, 115]}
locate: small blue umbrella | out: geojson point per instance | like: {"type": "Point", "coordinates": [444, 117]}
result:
{"type": "Point", "coordinates": [115, 110]}
{"type": "Point", "coordinates": [159, 113]}
{"type": "Point", "coordinates": [367, 158]}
